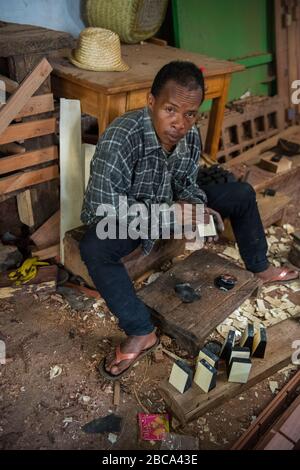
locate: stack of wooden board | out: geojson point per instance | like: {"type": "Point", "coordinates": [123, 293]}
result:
{"type": "Point", "coordinates": [21, 169]}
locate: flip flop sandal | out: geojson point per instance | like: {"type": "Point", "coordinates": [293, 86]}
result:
{"type": "Point", "coordinates": [123, 357]}
{"type": "Point", "coordinates": [282, 276]}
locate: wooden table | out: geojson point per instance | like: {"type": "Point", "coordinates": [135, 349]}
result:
{"type": "Point", "coordinates": [107, 95]}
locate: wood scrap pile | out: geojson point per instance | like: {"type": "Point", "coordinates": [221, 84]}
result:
{"type": "Point", "coordinates": [275, 302]}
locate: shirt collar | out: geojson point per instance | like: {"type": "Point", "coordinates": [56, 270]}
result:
{"type": "Point", "coordinates": [151, 140]}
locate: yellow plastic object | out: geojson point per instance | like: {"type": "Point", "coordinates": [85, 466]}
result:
{"type": "Point", "coordinates": [27, 271]}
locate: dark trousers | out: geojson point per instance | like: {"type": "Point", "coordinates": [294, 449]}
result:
{"type": "Point", "coordinates": [102, 257]}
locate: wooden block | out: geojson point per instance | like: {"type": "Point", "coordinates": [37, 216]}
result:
{"type": "Point", "coordinates": [181, 376]}
{"type": "Point", "coordinates": [25, 208]}
{"type": "Point", "coordinates": [207, 230]}
{"type": "Point", "coordinates": [209, 356]}
{"type": "Point", "coordinates": [28, 159]}
{"type": "Point", "coordinates": [48, 233]}
{"type": "Point", "coordinates": [37, 105]}
{"type": "Point", "coordinates": [259, 342]}
{"type": "Point", "coordinates": [117, 391]}
{"type": "Point", "coordinates": [228, 345]}
{"type": "Point", "coordinates": [47, 253]}
{"type": "Point", "coordinates": [239, 370]}
{"type": "Point", "coordinates": [191, 405]}
{"type": "Point", "coordinates": [247, 338]}
{"type": "Point", "coordinates": [205, 376]}
{"type": "Point", "coordinates": [275, 167]}
{"type": "Point", "coordinates": [22, 94]}
{"type": "Point", "coordinates": [238, 351]}
{"type": "Point", "coordinates": [28, 130]}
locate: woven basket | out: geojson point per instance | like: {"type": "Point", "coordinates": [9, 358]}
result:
{"type": "Point", "coordinates": [132, 20]}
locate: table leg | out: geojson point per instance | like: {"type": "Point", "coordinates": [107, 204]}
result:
{"type": "Point", "coordinates": [110, 107]}
{"type": "Point", "coordinates": [216, 120]}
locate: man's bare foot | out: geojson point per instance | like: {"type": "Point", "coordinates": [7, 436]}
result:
{"type": "Point", "coordinates": [132, 344]}
{"type": "Point", "coordinates": [273, 274]}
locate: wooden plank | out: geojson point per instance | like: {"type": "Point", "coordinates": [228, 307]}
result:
{"type": "Point", "coordinates": [48, 233]}
{"type": "Point", "coordinates": [190, 324]}
{"type": "Point", "coordinates": [275, 441]}
{"type": "Point", "coordinates": [27, 159]}
{"type": "Point", "coordinates": [37, 105]}
{"type": "Point", "coordinates": [71, 167]}
{"type": "Point", "coordinates": [10, 85]}
{"type": "Point", "coordinates": [21, 96]}
{"type": "Point", "coordinates": [28, 130]}
{"type": "Point", "coordinates": [289, 422]}
{"type": "Point", "coordinates": [194, 403]}
{"type": "Point", "coordinates": [281, 55]}
{"type": "Point", "coordinates": [47, 253]}
{"type": "Point", "coordinates": [24, 179]}
{"type": "Point", "coordinates": [25, 209]}
{"type": "Point", "coordinates": [267, 416]}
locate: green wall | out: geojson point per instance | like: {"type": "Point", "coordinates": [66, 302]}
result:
{"type": "Point", "coordinates": [239, 30]}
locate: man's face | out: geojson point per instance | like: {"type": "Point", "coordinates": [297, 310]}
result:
{"type": "Point", "coordinates": [174, 112]}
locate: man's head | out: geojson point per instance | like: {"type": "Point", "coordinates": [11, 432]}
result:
{"type": "Point", "coordinates": [176, 94]}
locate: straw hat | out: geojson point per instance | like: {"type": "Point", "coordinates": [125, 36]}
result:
{"type": "Point", "coordinates": [98, 49]}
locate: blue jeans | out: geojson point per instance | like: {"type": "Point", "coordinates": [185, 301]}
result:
{"type": "Point", "coordinates": [102, 257]}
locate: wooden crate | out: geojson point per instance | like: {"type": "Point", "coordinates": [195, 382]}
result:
{"type": "Point", "coordinates": [21, 169]}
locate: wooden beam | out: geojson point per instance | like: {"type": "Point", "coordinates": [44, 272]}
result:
{"type": "Point", "coordinates": [28, 130]}
{"type": "Point", "coordinates": [25, 208]}
{"type": "Point", "coordinates": [28, 159]}
{"type": "Point", "coordinates": [37, 105]}
{"type": "Point", "coordinates": [194, 403]}
{"type": "Point", "coordinates": [21, 96]}
{"type": "Point", "coordinates": [48, 233]}
{"type": "Point", "coordinates": [24, 179]}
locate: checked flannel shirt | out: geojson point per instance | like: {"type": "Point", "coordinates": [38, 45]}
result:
{"type": "Point", "coordinates": [130, 161]}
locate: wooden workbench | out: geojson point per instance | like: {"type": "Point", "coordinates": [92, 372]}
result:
{"type": "Point", "coordinates": [107, 95]}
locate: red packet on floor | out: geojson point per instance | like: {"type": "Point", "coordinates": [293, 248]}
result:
{"type": "Point", "coordinates": [153, 427]}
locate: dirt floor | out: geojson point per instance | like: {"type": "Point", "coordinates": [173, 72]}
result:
{"type": "Point", "coordinates": [67, 334]}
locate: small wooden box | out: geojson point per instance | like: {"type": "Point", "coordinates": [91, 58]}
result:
{"type": "Point", "coordinates": [266, 163]}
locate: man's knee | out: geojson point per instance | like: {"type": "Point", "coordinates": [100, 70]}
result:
{"type": "Point", "coordinates": [92, 248]}
{"type": "Point", "coordinates": [245, 193]}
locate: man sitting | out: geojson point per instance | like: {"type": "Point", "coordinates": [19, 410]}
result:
{"type": "Point", "coordinates": [151, 156]}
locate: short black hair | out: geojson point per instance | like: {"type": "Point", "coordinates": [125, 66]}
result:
{"type": "Point", "coordinates": [184, 73]}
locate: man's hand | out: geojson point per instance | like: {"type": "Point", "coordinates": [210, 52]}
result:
{"type": "Point", "coordinates": [217, 220]}
{"type": "Point", "coordinates": [188, 212]}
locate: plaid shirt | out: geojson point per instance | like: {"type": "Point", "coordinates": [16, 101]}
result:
{"type": "Point", "coordinates": [129, 160]}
